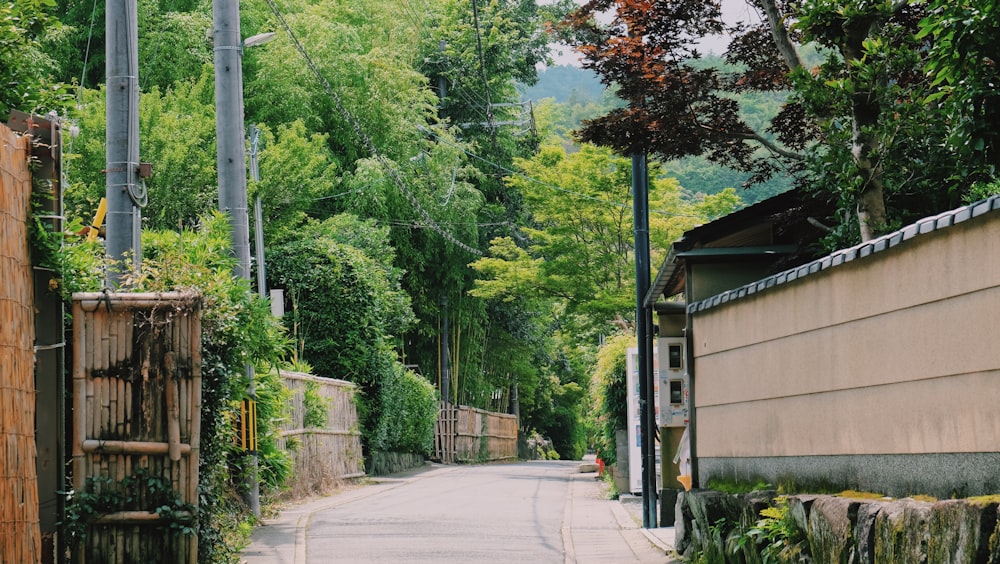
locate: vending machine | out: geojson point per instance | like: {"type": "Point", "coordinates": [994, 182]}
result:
{"type": "Point", "coordinates": [635, 421]}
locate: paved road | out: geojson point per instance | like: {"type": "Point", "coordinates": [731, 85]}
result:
{"type": "Point", "coordinates": [526, 512]}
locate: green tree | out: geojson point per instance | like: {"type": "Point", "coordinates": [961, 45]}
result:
{"type": "Point", "coordinates": [297, 170]}
{"type": "Point", "coordinates": [346, 304]}
{"type": "Point", "coordinates": [27, 71]}
{"type": "Point", "coordinates": [580, 249]}
{"type": "Point", "coordinates": [855, 128]}
{"type": "Point", "coordinates": [964, 49]}
{"type": "Point", "coordinates": [176, 128]}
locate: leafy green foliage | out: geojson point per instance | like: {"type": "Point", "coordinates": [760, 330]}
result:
{"type": "Point", "coordinates": [346, 304]}
{"type": "Point", "coordinates": [141, 491]}
{"type": "Point", "coordinates": [581, 245]}
{"type": "Point", "coordinates": [409, 411]}
{"type": "Point", "coordinates": [177, 50]}
{"type": "Point", "coordinates": [610, 395]}
{"type": "Point", "coordinates": [317, 407]}
{"type": "Point", "coordinates": [775, 538]}
{"type": "Point", "coordinates": [346, 301]}
{"type": "Point", "coordinates": [963, 50]}
{"type": "Point", "coordinates": [274, 465]}
{"type": "Point", "coordinates": [178, 125]}
{"type": "Point", "coordinates": [26, 69]}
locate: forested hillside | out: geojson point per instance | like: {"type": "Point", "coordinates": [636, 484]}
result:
{"type": "Point", "coordinates": [579, 95]}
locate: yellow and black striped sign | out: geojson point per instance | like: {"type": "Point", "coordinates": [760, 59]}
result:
{"type": "Point", "coordinates": [247, 432]}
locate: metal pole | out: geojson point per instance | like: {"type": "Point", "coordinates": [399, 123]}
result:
{"type": "Point", "coordinates": [122, 133]}
{"type": "Point", "coordinates": [258, 214]}
{"type": "Point", "coordinates": [640, 209]}
{"type": "Point", "coordinates": [232, 168]}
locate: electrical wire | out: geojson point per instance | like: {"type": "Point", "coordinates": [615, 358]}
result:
{"type": "Point", "coordinates": [365, 140]}
{"type": "Point", "coordinates": [542, 183]}
{"type": "Point", "coordinates": [86, 55]}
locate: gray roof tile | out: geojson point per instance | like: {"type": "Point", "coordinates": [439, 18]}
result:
{"type": "Point", "coordinates": [837, 258]}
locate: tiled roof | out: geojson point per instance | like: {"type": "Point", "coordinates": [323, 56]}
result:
{"type": "Point", "coordinates": [889, 240]}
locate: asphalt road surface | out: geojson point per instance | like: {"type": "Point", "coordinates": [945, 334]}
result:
{"type": "Point", "coordinates": [526, 512]}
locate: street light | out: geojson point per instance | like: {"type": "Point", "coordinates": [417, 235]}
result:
{"type": "Point", "coordinates": [259, 39]}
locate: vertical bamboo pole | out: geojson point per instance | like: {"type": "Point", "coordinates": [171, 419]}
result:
{"type": "Point", "coordinates": [455, 366]}
{"type": "Point", "coordinates": [195, 338]}
{"type": "Point", "coordinates": [124, 344]}
{"type": "Point", "coordinates": [79, 402]}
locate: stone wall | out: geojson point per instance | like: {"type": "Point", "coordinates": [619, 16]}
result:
{"type": "Point", "coordinates": [384, 463]}
{"type": "Point", "coordinates": [835, 529]}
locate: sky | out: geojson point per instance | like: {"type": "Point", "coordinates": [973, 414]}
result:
{"type": "Point", "coordinates": [732, 11]}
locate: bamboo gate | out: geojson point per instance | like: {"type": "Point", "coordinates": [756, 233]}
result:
{"type": "Point", "coordinates": [323, 455]}
{"type": "Point", "coordinates": [467, 434]}
{"type": "Point", "coordinates": [20, 537]}
{"type": "Point", "coordinates": [136, 424]}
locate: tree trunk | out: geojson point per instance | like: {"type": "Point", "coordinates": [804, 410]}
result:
{"type": "Point", "coordinates": [780, 34]}
{"type": "Point", "coordinates": [871, 201]}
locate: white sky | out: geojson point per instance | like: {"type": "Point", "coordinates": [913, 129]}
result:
{"type": "Point", "coordinates": [732, 11]}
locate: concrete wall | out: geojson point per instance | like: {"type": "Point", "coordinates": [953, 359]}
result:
{"type": "Point", "coordinates": [882, 372]}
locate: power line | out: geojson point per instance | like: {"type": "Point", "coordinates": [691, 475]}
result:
{"type": "Point", "coordinates": [546, 184]}
{"type": "Point", "coordinates": [365, 140]}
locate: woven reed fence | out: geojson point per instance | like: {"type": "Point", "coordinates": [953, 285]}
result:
{"type": "Point", "coordinates": [322, 456]}
{"type": "Point", "coordinates": [467, 434]}
{"type": "Point", "coordinates": [136, 426]}
{"type": "Point", "coordinates": [20, 536]}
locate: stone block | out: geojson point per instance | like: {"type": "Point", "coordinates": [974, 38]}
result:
{"type": "Point", "coordinates": [902, 532]}
{"type": "Point", "coordinates": [864, 531]}
{"type": "Point", "coordinates": [799, 506]}
{"type": "Point", "coordinates": [960, 531]}
{"type": "Point", "coordinates": [831, 529]}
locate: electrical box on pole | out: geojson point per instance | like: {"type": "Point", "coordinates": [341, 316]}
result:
{"type": "Point", "coordinates": [674, 384]}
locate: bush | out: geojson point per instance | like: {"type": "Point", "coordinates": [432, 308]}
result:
{"type": "Point", "coordinates": [409, 411]}
{"type": "Point", "coordinates": [609, 391]}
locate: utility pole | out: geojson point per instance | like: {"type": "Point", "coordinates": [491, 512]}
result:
{"type": "Point", "coordinates": [643, 324]}
{"type": "Point", "coordinates": [122, 136]}
{"type": "Point", "coordinates": [232, 166]}
{"type": "Point", "coordinates": [232, 170]}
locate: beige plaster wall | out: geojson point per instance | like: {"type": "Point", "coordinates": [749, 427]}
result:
{"type": "Point", "coordinates": [894, 353]}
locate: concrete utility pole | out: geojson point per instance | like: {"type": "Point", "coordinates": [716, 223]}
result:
{"type": "Point", "coordinates": [122, 135]}
{"type": "Point", "coordinates": [232, 167]}
{"type": "Point", "coordinates": [643, 324]}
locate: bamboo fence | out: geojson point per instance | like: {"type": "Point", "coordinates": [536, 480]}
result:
{"type": "Point", "coordinates": [20, 536]}
{"type": "Point", "coordinates": [322, 456]}
{"type": "Point", "coordinates": [444, 433]}
{"type": "Point", "coordinates": [467, 434]}
{"type": "Point", "coordinates": [136, 424]}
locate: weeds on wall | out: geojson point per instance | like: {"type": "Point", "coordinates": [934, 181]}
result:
{"type": "Point", "coordinates": [316, 407]}
{"type": "Point", "coordinates": [274, 465]}
{"type": "Point", "coordinates": [774, 538]}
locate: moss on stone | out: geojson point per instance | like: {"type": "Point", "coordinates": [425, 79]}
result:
{"type": "Point", "coordinates": [854, 494]}
{"type": "Point", "coordinates": [984, 500]}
